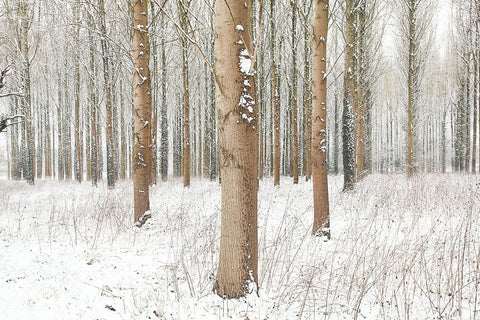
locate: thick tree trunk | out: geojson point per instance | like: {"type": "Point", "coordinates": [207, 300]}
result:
{"type": "Point", "coordinates": [237, 271]}
{"type": "Point", "coordinates": [321, 223]}
{"type": "Point", "coordinates": [142, 160]}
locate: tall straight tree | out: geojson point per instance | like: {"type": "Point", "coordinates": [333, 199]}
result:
{"type": "Point", "coordinates": [237, 271]}
{"type": "Point", "coordinates": [108, 80]}
{"type": "Point", "coordinates": [348, 116]}
{"type": "Point", "coordinates": [24, 23]}
{"type": "Point", "coordinates": [183, 7]}
{"type": "Point", "coordinates": [308, 100]}
{"type": "Point", "coordinates": [275, 97]}
{"type": "Point", "coordinates": [78, 130]}
{"type": "Point", "coordinates": [415, 35]}
{"type": "Point", "coordinates": [163, 113]}
{"type": "Point", "coordinates": [294, 95]}
{"type": "Point", "coordinates": [142, 155]}
{"type": "Point", "coordinates": [412, 86]}
{"type": "Point", "coordinates": [321, 223]}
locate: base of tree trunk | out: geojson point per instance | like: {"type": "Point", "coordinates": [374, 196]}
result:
{"type": "Point", "coordinates": [143, 219]}
{"type": "Point", "coordinates": [323, 233]}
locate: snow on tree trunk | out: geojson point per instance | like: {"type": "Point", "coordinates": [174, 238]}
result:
{"type": "Point", "coordinates": [321, 223]}
{"type": "Point", "coordinates": [237, 271]}
{"type": "Point", "coordinates": [142, 156]}
{"type": "Point", "coordinates": [348, 116]}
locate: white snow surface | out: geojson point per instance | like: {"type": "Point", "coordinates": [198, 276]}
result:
{"type": "Point", "coordinates": [400, 248]}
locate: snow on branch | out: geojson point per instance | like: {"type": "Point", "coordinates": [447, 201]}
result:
{"type": "Point", "coordinates": [4, 74]}
{"type": "Point", "coordinates": [5, 121]}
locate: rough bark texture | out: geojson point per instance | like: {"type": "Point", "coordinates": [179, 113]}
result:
{"type": "Point", "coordinates": [348, 117]}
{"type": "Point", "coordinates": [164, 119]}
{"type": "Point", "coordinates": [359, 107]}
{"type": "Point", "coordinates": [294, 98]}
{"type": "Point", "coordinates": [319, 115]}
{"type": "Point", "coordinates": [142, 112]}
{"type": "Point", "coordinates": [276, 100]}
{"type": "Point", "coordinates": [411, 90]}
{"type": "Point", "coordinates": [28, 132]}
{"type": "Point", "coordinates": [78, 129]}
{"type": "Point", "coordinates": [107, 76]}
{"type": "Point", "coordinates": [237, 271]}
{"type": "Point", "coordinates": [308, 108]}
{"type": "Point", "coordinates": [475, 115]}
{"type": "Point", "coordinates": [93, 104]}
{"type": "Point", "coordinates": [183, 7]}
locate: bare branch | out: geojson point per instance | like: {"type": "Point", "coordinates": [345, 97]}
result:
{"type": "Point", "coordinates": [4, 74]}
{"type": "Point", "coordinates": [4, 122]}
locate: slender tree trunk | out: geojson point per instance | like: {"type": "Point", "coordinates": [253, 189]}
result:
{"type": "Point", "coordinates": [477, 101]}
{"type": "Point", "coordinates": [294, 96]}
{"type": "Point", "coordinates": [237, 271]}
{"type": "Point", "coordinates": [468, 105]}
{"type": "Point", "coordinates": [142, 160]}
{"type": "Point", "coordinates": [275, 98]}
{"type": "Point", "coordinates": [28, 129]}
{"type": "Point", "coordinates": [208, 127]}
{"type": "Point", "coordinates": [359, 87]}
{"type": "Point", "coordinates": [308, 109]}
{"type": "Point", "coordinates": [336, 132]}
{"type": "Point", "coordinates": [78, 138]}
{"type": "Point", "coordinates": [475, 115]}
{"type": "Point", "coordinates": [412, 87]}
{"type": "Point", "coordinates": [348, 116]}
{"type": "Point", "coordinates": [321, 223]}
{"type": "Point", "coordinates": [93, 102]}
{"type": "Point", "coordinates": [183, 12]}
{"type": "Point", "coordinates": [48, 139]}
{"type": "Point", "coordinates": [154, 97]}
{"type": "Point", "coordinates": [164, 118]}
{"type": "Point", "coordinates": [108, 98]}
{"type": "Point", "coordinates": [214, 152]}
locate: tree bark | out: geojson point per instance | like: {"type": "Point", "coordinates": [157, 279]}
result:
{"type": "Point", "coordinates": [348, 117]}
{"type": "Point", "coordinates": [412, 82]}
{"type": "Point", "coordinates": [183, 12]}
{"type": "Point", "coordinates": [237, 271]}
{"type": "Point", "coordinates": [294, 97]}
{"type": "Point", "coordinates": [275, 98]}
{"type": "Point", "coordinates": [308, 109]}
{"type": "Point", "coordinates": [142, 113]}
{"type": "Point", "coordinates": [321, 222]}
{"type": "Point", "coordinates": [107, 76]}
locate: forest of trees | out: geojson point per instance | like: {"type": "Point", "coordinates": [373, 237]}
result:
{"type": "Point", "coordinates": [236, 91]}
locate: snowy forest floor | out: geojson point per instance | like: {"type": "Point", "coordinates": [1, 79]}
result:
{"type": "Point", "coordinates": [400, 249]}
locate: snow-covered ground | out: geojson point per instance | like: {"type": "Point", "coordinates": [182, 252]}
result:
{"type": "Point", "coordinates": [400, 249]}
